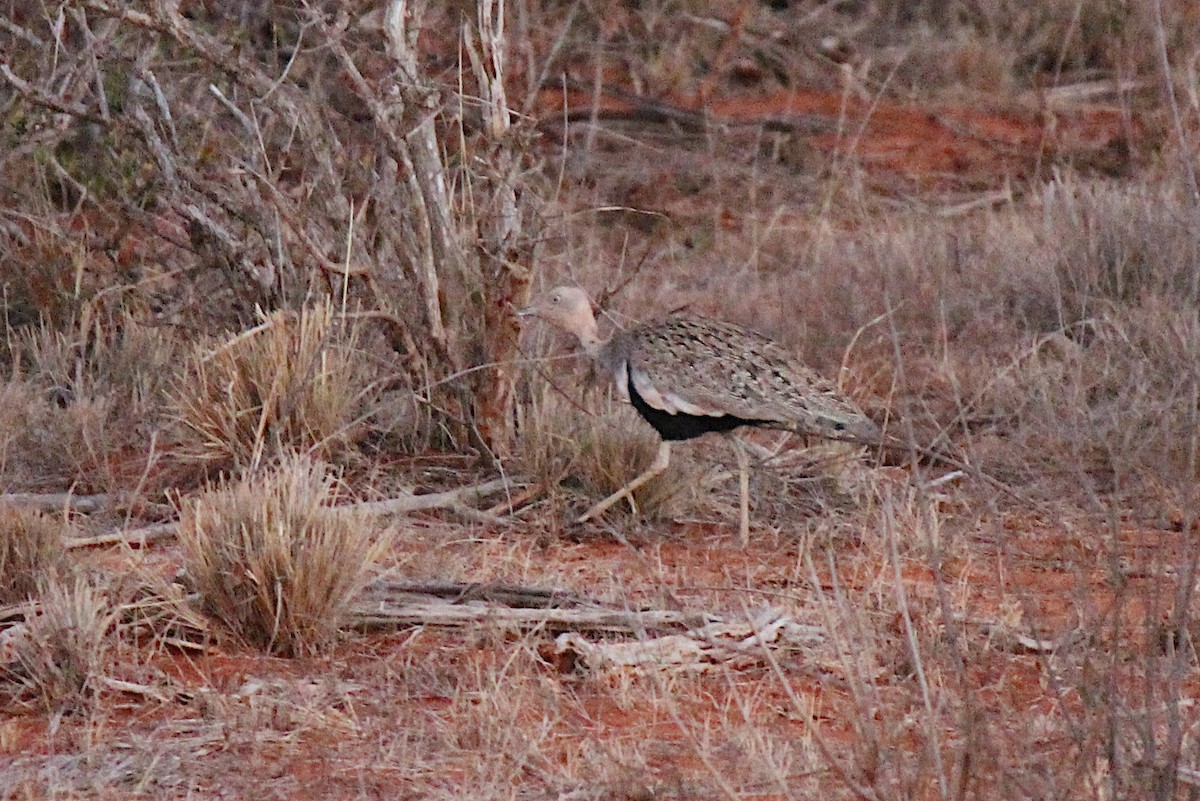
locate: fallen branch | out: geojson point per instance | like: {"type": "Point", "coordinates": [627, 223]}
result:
{"type": "Point", "coordinates": [662, 639]}
{"type": "Point", "coordinates": [144, 690]}
{"type": "Point", "coordinates": [393, 604]}
{"type": "Point", "coordinates": [492, 592]}
{"type": "Point", "coordinates": [137, 537]}
{"type": "Point", "coordinates": [446, 613]}
{"type": "Point", "coordinates": [454, 500]}
{"type": "Point", "coordinates": [84, 504]}
{"type": "Point", "coordinates": [735, 645]}
{"type": "Point", "coordinates": [511, 504]}
{"type": "Point", "coordinates": [58, 501]}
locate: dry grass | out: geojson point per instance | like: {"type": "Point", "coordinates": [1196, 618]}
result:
{"type": "Point", "coordinates": [31, 551]}
{"type": "Point", "coordinates": [931, 48]}
{"type": "Point", "coordinates": [597, 452]}
{"type": "Point", "coordinates": [979, 646]}
{"type": "Point", "coordinates": [272, 559]}
{"type": "Point", "coordinates": [62, 652]}
{"type": "Point", "coordinates": [84, 404]}
{"type": "Point", "coordinates": [921, 646]}
{"type": "Point", "coordinates": [1048, 339]}
{"type": "Point", "coordinates": [297, 382]}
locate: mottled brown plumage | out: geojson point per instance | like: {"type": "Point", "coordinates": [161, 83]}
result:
{"type": "Point", "coordinates": [689, 376]}
{"type": "Point", "coordinates": [716, 369]}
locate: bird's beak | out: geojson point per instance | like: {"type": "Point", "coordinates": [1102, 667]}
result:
{"type": "Point", "coordinates": [527, 311]}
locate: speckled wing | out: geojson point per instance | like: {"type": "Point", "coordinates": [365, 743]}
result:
{"type": "Point", "coordinates": [711, 368]}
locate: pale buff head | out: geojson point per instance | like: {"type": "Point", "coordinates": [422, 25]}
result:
{"type": "Point", "coordinates": [568, 309]}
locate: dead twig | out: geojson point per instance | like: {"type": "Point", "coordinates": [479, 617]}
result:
{"type": "Point", "coordinates": [492, 592]}
{"type": "Point", "coordinates": [512, 504]}
{"type": "Point", "coordinates": [444, 613]}
{"type": "Point", "coordinates": [720, 643]}
{"type": "Point", "coordinates": [137, 537]}
{"type": "Point", "coordinates": [80, 504]}
{"type": "Point", "coordinates": [46, 100]}
{"type": "Point", "coordinates": [455, 500]}
{"type": "Point", "coordinates": [58, 501]}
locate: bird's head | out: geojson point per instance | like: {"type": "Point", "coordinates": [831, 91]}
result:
{"type": "Point", "coordinates": [567, 308]}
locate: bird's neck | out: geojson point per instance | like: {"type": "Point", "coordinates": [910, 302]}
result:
{"type": "Point", "coordinates": [589, 338]}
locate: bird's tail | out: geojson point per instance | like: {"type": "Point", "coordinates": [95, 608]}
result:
{"type": "Point", "coordinates": [848, 425]}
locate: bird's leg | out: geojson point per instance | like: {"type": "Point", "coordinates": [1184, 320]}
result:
{"type": "Point", "coordinates": [656, 468]}
{"type": "Point", "coordinates": [743, 460]}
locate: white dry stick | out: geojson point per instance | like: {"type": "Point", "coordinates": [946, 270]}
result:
{"type": "Point", "coordinates": [447, 613]}
{"type": "Point", "coordinates": [718, 643]}
{"type": "Point", "coordinates": [424, 171]}
{"type": "Point", "coordinates": [456, 500]}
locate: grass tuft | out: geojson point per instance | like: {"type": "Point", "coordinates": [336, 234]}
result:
{"type": "Point", "coordinates": [61, 653]}
{"type": "Point", "coordinates": [81, 402]}
{"type": "Point", "coordinates": [273, 561]}
{"type": "Point", "coordinates": [294, 383]}
{"type": "Point", "coordinates": [31, 550]}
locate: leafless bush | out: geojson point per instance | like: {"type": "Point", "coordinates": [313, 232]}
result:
{"type": "Point", "coordinates": [31, 550]}
{"type": "Point", "coordinates": [62, 652]}
{"type": "Point", "coordinates": [297, 382]}
{"type": "Point", "coordinates": [274, 561]}
{"type": "Point", "coordinates": [323, 155]}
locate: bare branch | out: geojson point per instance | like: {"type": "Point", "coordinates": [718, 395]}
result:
{"type": "Point", "coordinates": [454, 500]}
{"type": "Point", "coordinates": [46, 100]}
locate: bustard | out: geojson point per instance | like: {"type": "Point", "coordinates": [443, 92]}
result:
{"type": "Point", "coordinates": [689, 376]}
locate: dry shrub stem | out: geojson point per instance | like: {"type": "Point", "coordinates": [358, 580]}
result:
{"type": "Point", "coordinates": [237, 176]}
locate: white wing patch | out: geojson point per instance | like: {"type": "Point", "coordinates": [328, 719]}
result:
{"type": "Point", "coordinates": [667, 402]}
{"type": "Point", "coordinates": [649, 393]}
{"type": "Point", "coordinates": [687, 407]}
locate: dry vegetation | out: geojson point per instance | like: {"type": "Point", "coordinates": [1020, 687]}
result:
{"type": "Point", "coordinates": [60, 654]}
{"type": "Point", "coordinates": [293, 383]}
{"type": "Point", "coordinates": [258, 266]}
{"type": "Point", "coordinates": [273, 562]}
{"type": "Point", "coordinates": [31, 547]}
